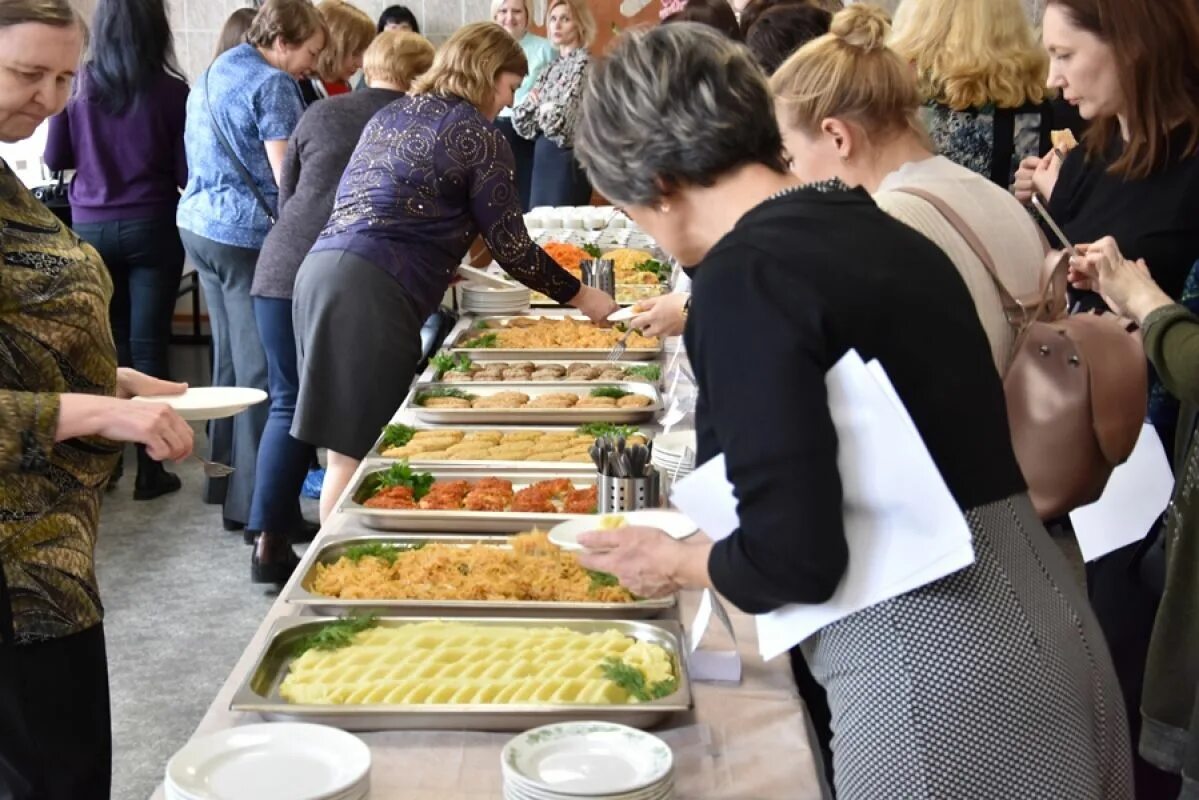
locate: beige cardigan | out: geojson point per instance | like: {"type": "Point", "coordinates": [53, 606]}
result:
{"type": "Point", "coordinates": [998, 219]}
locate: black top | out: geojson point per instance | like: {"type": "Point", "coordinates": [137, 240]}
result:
{"type": "Point", "coordinates": [317, 155]}
{"type": "Point", "coordinates": [1154, 218]}
{"type": "Point", "coordinates": [798, 282]}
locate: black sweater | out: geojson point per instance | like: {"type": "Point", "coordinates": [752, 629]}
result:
{"type": "Point", "coordinates": [799, 281]}
{"type": "Point", "coordinates": [1154, 218]}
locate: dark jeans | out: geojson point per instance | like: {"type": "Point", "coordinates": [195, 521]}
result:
{"type": "Point", "coordinates": [558, 180]}
{"type": "Point", "coordinates": [522, 151]}
{"type": "Point", "coordinates": [55, 726]}
{"type": "Point", "coordinates": [282, 461]}
{"type": "Point", "coordinates": [226, 273]}
{"type": "Point", "coordinates": [145, 259]}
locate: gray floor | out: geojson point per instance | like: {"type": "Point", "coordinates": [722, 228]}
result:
{"type": "Point", "coordinates": [180, 609]}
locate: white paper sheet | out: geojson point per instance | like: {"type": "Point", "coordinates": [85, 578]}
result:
{"type": "Point", "coordinates": [1136, 494]}
{"type": "Point", "coordinates": [711, 665]}
{"type": "Point", "coordinates": [903, 527]}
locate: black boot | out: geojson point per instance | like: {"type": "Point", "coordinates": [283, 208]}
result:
{"type": "Point", "coordinates": [152, 478]}
{"type": "Point", "coordinates": [273, 560]}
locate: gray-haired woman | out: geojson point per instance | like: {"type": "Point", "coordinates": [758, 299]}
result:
{"type": "Point", "coordinates": [992, 682]}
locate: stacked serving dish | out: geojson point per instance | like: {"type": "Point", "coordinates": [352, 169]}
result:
{"type": "Point", "coordinates": [475, 298]}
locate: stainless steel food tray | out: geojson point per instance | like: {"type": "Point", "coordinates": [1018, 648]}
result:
{"type": "Point", "coordinates": [515, 354]}
{"type": "Point", "coordinates": [535, 415]}
{"type": "Point", "coordinates": [431, 465]}
{"type": "Point", "coordinates": [260, 691]}
{"type": "Point", "coordinates": [469, 522]}
{"type": "Point", "coordinates": [430, 374]}
{"type": "Point", "coordinates": [332, 549]}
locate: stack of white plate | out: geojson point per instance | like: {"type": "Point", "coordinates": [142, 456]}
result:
{"type": "Point", "coordinates": [574, 760]}
{"type": "Point", "coordinates": [478, 299]}
{"type": "Point", "coordinates": [674, 453]}
{"type": "Point", "coordinates": [271, 761]}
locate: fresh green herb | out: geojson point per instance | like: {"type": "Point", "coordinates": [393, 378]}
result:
{"type": "Point", "coordinates": [662, 271]}
{"type": "Point", "coordinates": [445, 362]}
{"type": "Point", "coordinates": [593, 251]}
{"type": "Point", "coordinates": [609, 391]}
{"type": "Point", "coordinates": [620, 326]}
{"type": "Point", "coordinates": [602, 580]}
{"type": "Point", "coordinates": [399, 474]}
{"type": "Point", "coordinates": [651, 372]}
{"type": "Point", "coordinates": [482, 325]}
{"type": "Point", "coordinates": [484, 342]}
{"type": "Point", "coordinates": [632, 680]}
{"type": "Point", "coordinates": [379, 550]}
{"type": "Point", "coordinates": [396, 436]}
{"type": "Point", "coordinates": [335, 635]}
{"type": "Point", "coordinates": [603, 429]}
{"type": "Point", "coordinates": [441, 391]}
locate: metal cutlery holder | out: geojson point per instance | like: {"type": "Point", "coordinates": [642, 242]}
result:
{"type": "Point", "coordinates": [628, 494]}
{"type": "Point", "coordinates": [600, 273]}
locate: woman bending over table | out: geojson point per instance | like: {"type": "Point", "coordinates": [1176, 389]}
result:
{"type": "Point", "coordinates": [430, 173]}
{"type": "Point", "coordinates": [992, 682]}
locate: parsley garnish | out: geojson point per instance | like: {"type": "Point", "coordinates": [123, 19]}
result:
{"type": "Point", "coordinates": [609, 391]}
{"type": "Point", "coordinates": [396, 436]}
{"type": "Point", "coordinates": [632, 680]}
{"type": "Point", "coordinates": [651, 372]}
{"type": "Point", "coordinates": [379, 550]}
{"type": "Point", "coordinates": [335, 635]}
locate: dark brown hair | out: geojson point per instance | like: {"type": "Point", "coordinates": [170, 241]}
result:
{"type": "Point", "coordinates": [1155, 43]}
{"type": "Point", "coordinates": [716, 14]}
{"type": "Point", "coordinates": [784, 29]}
{"type": "Point", "coordinates": [292, 22]}
{"type": "Point", "coordinates": [756, 8]}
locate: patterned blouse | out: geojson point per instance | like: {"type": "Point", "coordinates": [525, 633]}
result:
{"type": "Point", "coordinates": [552, 108]}
{"type": "Point", "coordinates": [428, 176]}
{"type": "Point", "coordinates": [54, 338]}
{"type": "Point", "coordinates": [989, 141]}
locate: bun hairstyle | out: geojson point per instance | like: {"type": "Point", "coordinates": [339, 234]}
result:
{"type": "Point", "coordinates": [851, 74]}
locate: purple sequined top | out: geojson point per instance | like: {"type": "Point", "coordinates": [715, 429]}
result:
{"type": "Point", "coordinates": [429, 175]}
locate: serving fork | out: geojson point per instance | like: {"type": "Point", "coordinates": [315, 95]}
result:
{"type": "Point", "coordinates": [213, 469]}
{"type": "Point", "coordinates": [617, 352]}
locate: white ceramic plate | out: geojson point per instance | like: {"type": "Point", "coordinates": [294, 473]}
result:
{"type": "Point", "coordinates": [586, 759]}
{"type": "Point", "coordinates": [271, 761]}
{"type": "Point", "coordinates": [513, 791]}
{"type": "Point", "coordinates": [210, 402]}
{"type": "Point", "coordinates": [469, 273]}
{"type": "Point", "coordinates": [624, 315]}
{"type": "Point", "coordinates": [674, 443]}
{"type": "Point", "coordinates": [679, 526]}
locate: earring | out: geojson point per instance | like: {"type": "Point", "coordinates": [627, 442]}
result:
{"type": "Point", "coordinates": [664, 208]}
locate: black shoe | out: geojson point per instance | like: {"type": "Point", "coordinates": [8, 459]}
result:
{"type": "Point", "coordinates": [154, 483]}
{"type": "Point", "coordinates": [249, 535]}
{"type": "Point", "coordinates": [273, 561]}
{"type": "Point", "coordinates": [232, 525]}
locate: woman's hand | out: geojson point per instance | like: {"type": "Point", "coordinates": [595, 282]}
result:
{"type": "Point", "coordinates": [131, 383]}
{"type": "Point", "coordinates": [661, 316]}
{"type": "Point", "coordinates": [595, 304]}
{"type": "Point", "coordinates": [1037, 175]}
{"type": "Point", "coordinates": [647, 561]}
{"type": "Point", "coordinates": [156, 425]}
{"type": "Point", "coordinates": [1124, 285]}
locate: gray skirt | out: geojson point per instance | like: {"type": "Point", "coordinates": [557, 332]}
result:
{"type": "Point", "coordinates": [994, 682]}
{"type": "Point", "coordinates": [358, 344]}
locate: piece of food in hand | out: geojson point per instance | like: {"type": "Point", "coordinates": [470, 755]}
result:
{"type": "Point", "coordinates": [1063, 141]}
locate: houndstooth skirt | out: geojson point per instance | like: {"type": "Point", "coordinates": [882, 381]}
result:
{"type": "Point", "coordinates": [994, 682]}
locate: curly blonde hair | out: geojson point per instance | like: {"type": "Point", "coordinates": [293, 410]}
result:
{"type": "Point", "coordinates": [468, 64]}
{"type": "Point", "coordinates": [971, 53]}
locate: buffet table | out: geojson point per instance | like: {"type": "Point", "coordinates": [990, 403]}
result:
{"type": "Point", "coordinates": [746, 740]}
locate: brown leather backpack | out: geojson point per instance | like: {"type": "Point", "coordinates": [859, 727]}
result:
{"type": "Point", "coordinates": [1076, 385]}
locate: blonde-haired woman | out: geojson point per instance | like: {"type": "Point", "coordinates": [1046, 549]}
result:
{"type": "Point", "coordinates": [982, 75]}
{"type": "Point", "coordinates": [514, 16]}
{"type": "Point", "coordinates": [549, 112]}
{"type": "Point", "coordinates": [350, 32]}
{"type": "Point", "coordinates": [430, 173]}
{"type": "Point", "coordinates": [853, 111]}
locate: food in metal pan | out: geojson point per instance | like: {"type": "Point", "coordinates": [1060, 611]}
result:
{"type": "Point", "coordinates": [532, 568]}
{"type": "Point", "coordinates": [402, 441]}
{"type": "Point", "coordinates": [399, 488]}
{"type": "Point", "coordinates": [548, 333]}
{"type": "Point", "coordinates": [460, 368]}
{"type": "Point", "coordinates": [459, 663]}
{"type": "Point", "coordinates": [600, 397]}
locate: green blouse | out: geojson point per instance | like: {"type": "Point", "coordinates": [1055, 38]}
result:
{"type": "Point", "coordinates": [55, 338]}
